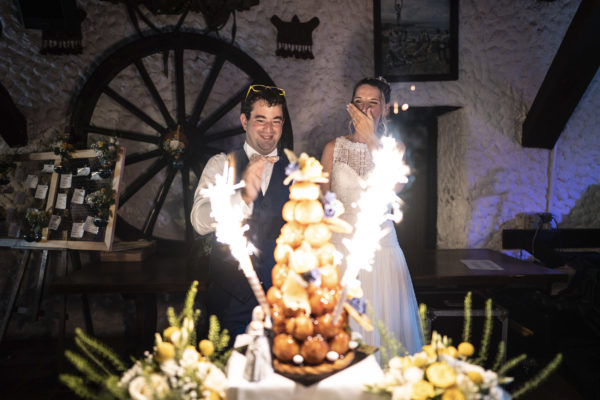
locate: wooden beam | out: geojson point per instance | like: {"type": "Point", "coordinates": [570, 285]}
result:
{"type": "Point", "coordinates": [568, 77]}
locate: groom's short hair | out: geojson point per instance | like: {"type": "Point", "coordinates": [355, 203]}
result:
{"type": "Point", "coordinates": [271, 95]}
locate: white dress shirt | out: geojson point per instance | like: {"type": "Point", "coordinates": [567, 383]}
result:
{"type": "Point", "coordinates": [267, 171]}
{"type": "Point", "coordinates": [200, 216]}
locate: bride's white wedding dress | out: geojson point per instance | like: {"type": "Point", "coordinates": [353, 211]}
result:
{"type": "Point", "coordinates": [388, 287]}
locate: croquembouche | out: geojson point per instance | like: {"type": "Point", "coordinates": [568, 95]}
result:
{"type": "Point", "coordinates": [306, 278]}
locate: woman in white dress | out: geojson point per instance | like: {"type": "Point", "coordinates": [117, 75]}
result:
{"type": "Point", "coordinates": [388, 287]}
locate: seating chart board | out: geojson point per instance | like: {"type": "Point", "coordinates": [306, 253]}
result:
{"type": "Point", "coordinates": [36, 182]}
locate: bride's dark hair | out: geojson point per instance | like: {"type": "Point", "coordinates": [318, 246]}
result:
{"type": "Point", "coordinates": [379, 83]}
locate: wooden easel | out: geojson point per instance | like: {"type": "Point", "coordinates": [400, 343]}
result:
{"type": "Point", "coordinates": [63, 245]}
{"type": "Point", "coordinates": [61, 265]}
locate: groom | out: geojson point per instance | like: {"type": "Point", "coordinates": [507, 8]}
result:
{"type": "Point", "coordinates": [262, 168]}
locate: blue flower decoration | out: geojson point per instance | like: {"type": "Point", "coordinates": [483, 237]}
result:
{"type": "Point", "coordinates": [291, 168]}
{"type": "Point", "coordinates": [313, 276]}
{"type": "Point", "coordinates": [359, 304]}
{"type": "Point", "coordinates": [329, 204]}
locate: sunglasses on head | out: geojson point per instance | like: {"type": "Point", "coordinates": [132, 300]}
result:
{"type": "Point", "coordinates": [260, 88]}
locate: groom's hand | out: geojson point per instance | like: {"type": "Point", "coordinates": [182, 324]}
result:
{"type": "Point", "coordinates": [253, 179]}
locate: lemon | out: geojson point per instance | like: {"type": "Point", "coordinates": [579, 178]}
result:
{"type": "Point", "coordinates": [167, 333]}
{"type": "Point", "coordinates": [206, 347]}
{"type": "Point", "coordinates": [422, 390]}
{"type": "Point", "coordinates": [466, 349]}
{"type": "Point", "coordinates": [164, 351]}
{"type": "Point", "coordinates": [475, 377]}
{"type": "Point", "coordinates": [453, 393]}
{"type": "Point", "coordinates": [441, 375]}
{"type": "Point", "coordinates": [429, 350]}
{"type": "Point", "coordinates": [420, 360]}
{"type": "Point", "coordinates": [449, 351]}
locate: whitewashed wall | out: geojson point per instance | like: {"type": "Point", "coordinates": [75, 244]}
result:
{"type": "Point", "coordinates": [485, 176]}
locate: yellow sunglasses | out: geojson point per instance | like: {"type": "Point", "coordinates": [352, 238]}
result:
{"type": "Point", "coordinates": [260, 88]}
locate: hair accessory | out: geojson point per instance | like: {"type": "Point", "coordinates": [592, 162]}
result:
{"type": "Point", "coordinates": [382, 79]}
{"type": "Point", "coordinates": [260, 88]}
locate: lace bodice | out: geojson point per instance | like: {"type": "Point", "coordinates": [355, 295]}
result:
{"type": "Point", "coordinates": [355, 154]}
{"type": "Point", "coordinates": [352, 162]}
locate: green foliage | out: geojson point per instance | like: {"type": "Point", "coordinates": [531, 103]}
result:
{"type": "Point", "coordinates": [101, 200]}
{"type": "Point", "coordinates": [423, 317]}
{"type": "Point", "coordinates": [539, 378]}
{"type": "Point", "coordinates": [37, 219]}
{"type": "Point", "coordinates": [172, 317]}
{"type": "Point", "coordinates": [499, 355]}
{"type": "Point", "coordinates": [466, 335]}
{"type": "Point", "coordinates": [220, 339]}
{"type": "Point", "coordinates": [390, 346]}
{"type": "Point", "coordinates": [86, 368]}
{"type": "Point", "coordinates": [78, 386]}
{"type": "Point", "coordinates": [96, 346]}
{"type": "Point", "coordinates": [487, 334]}
{"type": "Point", "coordinates": [510, 364]}
{"type": "Point", "coordinates": [112, 386]}
{"type": "Point", "coordinates": [100, 369]}
{"type": "Point", "coordinates": [63, 149]}
{"type": "Point", "coordinates": [187, 312]}
{"type": "Point", "coordinates": [106, 151]}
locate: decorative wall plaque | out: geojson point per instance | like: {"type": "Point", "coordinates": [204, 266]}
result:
{"type": "Point", "coordinates": [294, 38]}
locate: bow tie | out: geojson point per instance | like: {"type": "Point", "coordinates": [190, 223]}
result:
{"type": "Point", "coordinates": [271, 159]}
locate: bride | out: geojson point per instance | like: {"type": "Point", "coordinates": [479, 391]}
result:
{"type": "Point", "coordinates": [387, 288]}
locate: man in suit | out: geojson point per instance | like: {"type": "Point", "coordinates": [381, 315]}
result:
{"type": "Point", "coordinates": [262, 168]}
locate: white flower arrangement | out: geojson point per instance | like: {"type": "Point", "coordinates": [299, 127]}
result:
{"type": "Point", "coordinates": [176, 369]}
{"type": "Point", "coordinates": [440, 371]}
{"type": "Point", "coordinates": [443, 372]}
{"type": "Point", "coordinates": [106, 151]}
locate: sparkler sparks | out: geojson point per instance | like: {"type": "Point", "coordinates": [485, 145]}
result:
{"type": "Point", "coordinates": [378, 203]}
{"type": "Point", "coordinates": [230, 230]}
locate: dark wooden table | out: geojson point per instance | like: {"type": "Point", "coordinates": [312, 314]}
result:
{"type": "Point", "coordinates": [140, 281]}
{"type": "Point", "coordinates": [444, 269]}
{"type": "Point", "coordinates": [154, 275]}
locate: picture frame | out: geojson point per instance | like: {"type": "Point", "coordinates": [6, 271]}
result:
{"type": "Point", "coordinates": [416, 40]}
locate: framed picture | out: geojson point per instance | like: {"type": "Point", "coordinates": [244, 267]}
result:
{"type": "Point", "coordinates": [416, 40]}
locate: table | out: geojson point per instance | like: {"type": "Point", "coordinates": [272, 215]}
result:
{"type": "Point", "coordinates": [444, 269]}
{"type": "Point", "coordinates": [141, 281]}
{"type": "Point", "coordinates": [347, 384]}
{"type": "Point", "coordinates": [167, 274]}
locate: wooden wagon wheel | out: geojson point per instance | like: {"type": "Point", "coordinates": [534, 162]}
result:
{"type": "Point", "coordinates": [142, 93]}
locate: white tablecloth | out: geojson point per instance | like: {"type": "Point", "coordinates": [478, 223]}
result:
{"type": "Point", "coordinates": [347, 384]}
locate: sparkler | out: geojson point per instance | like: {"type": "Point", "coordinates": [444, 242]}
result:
{"type": "Point", "coordinates": [378, 203]}
{"type": "Point", "coordinates": [230, 230]}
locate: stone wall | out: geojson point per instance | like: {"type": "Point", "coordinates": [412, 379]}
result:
{"type": "Point", "coordinates": [485, 176]}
